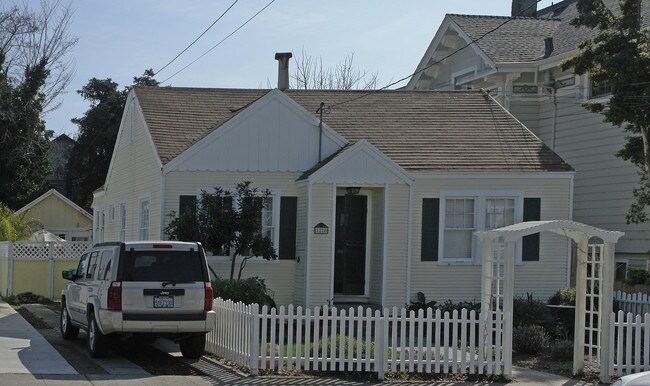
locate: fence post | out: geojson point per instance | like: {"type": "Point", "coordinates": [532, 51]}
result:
{"type": "Point", "coordinates": [380, 345]}
{"type": "Point", "coordinates": [50, 270]}
{"type": "Point", "coordinates": [10, 269]}
{"type": "Point", "coordinates": [606, 310]}
{"type": "Point", "coordinates": [254, 338]}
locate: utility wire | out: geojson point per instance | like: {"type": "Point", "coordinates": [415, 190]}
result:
{"type": "Point", "coordinates": [435, 62]}
{"type": "Point", "coordinates": [223, 40]}
{"type": "Point", "coordinates": [199, 37]}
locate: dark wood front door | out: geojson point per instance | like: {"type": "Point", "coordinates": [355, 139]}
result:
{"type": "Point", "coordinates": [350, 243]}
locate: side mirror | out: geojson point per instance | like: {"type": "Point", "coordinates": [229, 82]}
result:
{"type": "Point", "coordinates": [70, 274]}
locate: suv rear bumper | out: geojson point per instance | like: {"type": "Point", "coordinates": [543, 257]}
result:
{"type": "Point", "coordinates": [115, 321]}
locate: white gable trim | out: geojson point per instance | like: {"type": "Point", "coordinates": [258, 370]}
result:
{"type": "Point", "coordinates": [60, 196]}
{"type": "Point", "coordinates": [131, 100]}
{"type": "Point", "coordinates": [447, 23]}
{"type": "Point", "coordinates": [253, 108]}
{"type": "Point", "coordinates": [367, 148]}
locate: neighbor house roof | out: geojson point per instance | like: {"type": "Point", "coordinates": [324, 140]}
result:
{"type": "Point", "coordinates": [55, 193]}
{"type": "Point", "coordinates": [418, 130]}
{"type": "Point", "coordinates": [522, 38]}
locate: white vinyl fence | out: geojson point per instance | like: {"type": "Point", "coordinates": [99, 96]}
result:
{"type": "Point", "coordinates": [329, 339]}
{"type": "Point", "coordinates": [638, 303]}
{"type": "Point", "coordinates": [630, 340]}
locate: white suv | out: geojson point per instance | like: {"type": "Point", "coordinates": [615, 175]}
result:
{"type": "Point", "coordinates": [145, 289]}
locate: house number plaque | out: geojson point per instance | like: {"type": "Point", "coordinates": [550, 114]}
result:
{"type": "Point", "coordinates": [321, 229]}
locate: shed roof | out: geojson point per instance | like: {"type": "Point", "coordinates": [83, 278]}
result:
{"type": "Point", "coordinates": [419, 130]}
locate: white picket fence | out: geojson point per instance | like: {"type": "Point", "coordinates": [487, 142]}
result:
{"type": "Point", "coordinates": [638, 303]}
{"type": "Point", "coordinates": [329, 339]}
{"type": "Point", "coordinates": [630, 339]}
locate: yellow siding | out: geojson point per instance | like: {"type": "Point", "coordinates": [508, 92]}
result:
{"type": "Point", "coordinates": [54, 213]}
{"type": "Point", "coordinates": [4, 278]}
{"type": "Point", "coordinates": [462, 282]}
{"type": "Point", "coordinates": [320, 254]}
{"type": "Point", "coordinates": [135, 171]}
{"type": "Point", "coordinates": [396, 245]}
{"type": "Point", "coordinates": [302, 232]}
{"type": "Point", "coordinates": [280, 275]}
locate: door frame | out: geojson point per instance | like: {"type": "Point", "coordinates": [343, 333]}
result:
{"type": "Point", "coordinates": [340, 191]}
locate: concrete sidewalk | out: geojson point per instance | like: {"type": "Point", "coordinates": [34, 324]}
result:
{"type": "Point", "coordinates": [24, 351]}
{"type": "Point", "coordinates": [26, 358]}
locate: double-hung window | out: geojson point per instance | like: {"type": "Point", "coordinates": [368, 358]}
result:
{"type": "Point", "coordinates": [144, 219]}
{"type": "Point", "coordinates": [464, 212]}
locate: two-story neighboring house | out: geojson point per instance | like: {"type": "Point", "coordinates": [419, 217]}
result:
{"type": "Point", "coordinates": [519, 63]}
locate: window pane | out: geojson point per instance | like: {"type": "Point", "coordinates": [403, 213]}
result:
{"type": "Point", "coordinates": [499, 212]}
{"type": "Point", "coordinates": [459, 213]}
{"type": "Point", "coordinates": [458, 244]}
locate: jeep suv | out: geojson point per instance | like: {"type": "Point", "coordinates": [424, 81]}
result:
{"type": "Point", "coordinates": [143, 289]}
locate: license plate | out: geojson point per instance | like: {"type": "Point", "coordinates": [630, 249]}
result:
{"type": "Point", "coordinates": [163, 302]}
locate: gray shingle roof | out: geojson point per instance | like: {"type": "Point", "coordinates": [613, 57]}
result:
{"type": "Point", "coordinates": [419, 130]}
{"type": "Point", "coordinates": [522, 39]}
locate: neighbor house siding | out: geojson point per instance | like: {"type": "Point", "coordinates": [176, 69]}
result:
{"type": "Point", "coordinates": [320, 255]}
{"type": "Point", "coordinates": [396, 245]}
{"type": "Point", "coordinates": [135, 172]}
{"type": "Point", "coordinates": [541, 278]}
{"type": "Point", "coordinates": [279, 275]}
{"type": "Point", "coordinates": [603, 182]}
{"type": "Point", "coordinates": [57, 216]}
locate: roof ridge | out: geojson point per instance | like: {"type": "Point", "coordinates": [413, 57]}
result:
{"type": "Point", "coordinates": [501, 17]}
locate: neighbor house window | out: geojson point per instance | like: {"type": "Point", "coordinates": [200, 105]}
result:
{"type": "Point", "coordinates": [468, 212]}
{"type": "Point", "coordinates": [123, 221]}
{"type": "Point", "coordinates": [102, 224]}
{"type": "Point", "coordinates": [144, 219]}
{"type": "Point", "coordinates": [111, 214]}
{"type": "Point", "coordinates": [600, 89]}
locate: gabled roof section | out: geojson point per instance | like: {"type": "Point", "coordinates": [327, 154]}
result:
{"type": "Point", "coordinates": [179, 117]}
{"type": "Point", "coordinates": [519, 40]}
{"type": "Point", "coordinates": [54, 192]}
{"type": "Point", "coordinates": [418, 130]}
{"type": "Point", "coordinates": [361, 163]}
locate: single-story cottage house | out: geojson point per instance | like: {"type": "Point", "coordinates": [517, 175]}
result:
{"type": "Point", "coordinates": [376, 202]}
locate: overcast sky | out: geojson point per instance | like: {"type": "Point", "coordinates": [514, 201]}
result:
{"type": "Point", "coordinates": [119, 39]}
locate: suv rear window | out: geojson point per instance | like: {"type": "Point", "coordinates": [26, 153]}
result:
{"type": "Point", "coordinates": [162, 265]}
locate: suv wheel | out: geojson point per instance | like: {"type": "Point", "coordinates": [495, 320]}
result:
{"type": "Point", "coordinates": [97, 345]}
{"type": "Point", "coordinates": [68, 331]}
{"type": "Point", "coordinates": [193, 347]}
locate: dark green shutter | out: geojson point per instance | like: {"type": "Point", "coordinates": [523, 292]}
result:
{"type": "Point", "coordinates": [532, 212]}
{"type": "Point", "coordinates": [186, 204]}
{"type": "Point", "coordinates": [288, 213]}
{"type": "Point", "coordinates": [430, 226]}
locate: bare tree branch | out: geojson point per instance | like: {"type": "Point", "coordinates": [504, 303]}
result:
{"type": "Point", "coordinates": [310, 74]}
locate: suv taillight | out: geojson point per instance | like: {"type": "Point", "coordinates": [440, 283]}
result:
{"type": "Point", "coordinates": [207, 304]}
{"type": "Point", "coordinates": [115, 296]}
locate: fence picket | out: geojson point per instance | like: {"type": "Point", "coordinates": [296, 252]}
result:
{"type": "Point", "coordinates": [329, 339]}
{"type": "Point", "coordinates": [628, 342]}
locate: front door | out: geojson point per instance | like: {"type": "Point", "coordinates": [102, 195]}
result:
{"type": "Point", "coordinates": [350, 243]}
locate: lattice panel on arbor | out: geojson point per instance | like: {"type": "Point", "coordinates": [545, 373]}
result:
{"type": "Point", "coordinates": [593, 304]}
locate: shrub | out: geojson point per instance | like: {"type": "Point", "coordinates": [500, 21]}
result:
{"type": "Point", "coordinates": [247, 291]}
{"type": "Point", "coordinates": [529, 339]}
{"type": "Point", "coordinates": [420, 303]}
{"type": "Point", "coordinates": [564, 297]}
{"type": "Point", "coordinates": [450, 306]}
{"type": "Point", "coordinates": [562, 349]}
{"type": "Point", "coordinates": [528, 311]}
{"type": "Point", "coordinates": [637, 276]}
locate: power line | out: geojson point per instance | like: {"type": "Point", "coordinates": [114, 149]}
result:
{"type": "Point", "coordinates": [199, 37]}
{"type": "Point", "coordinates": [223, 40]}
{"type": "Point", "coordinates": [435, 62]}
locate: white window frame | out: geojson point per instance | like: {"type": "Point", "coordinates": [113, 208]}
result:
{"type": "Point", "coordinates": [144, 198]}
{"type": "Point", "coordinates": [480, 198]}
{"type": "Point", "coordinates": [275, 197]}
{"type": "Point", "coordinates": [123, 222]}
{"type": "Point", "coordinates": [101, 226]}
{"type": "Point", "coordinates": [111, 214]}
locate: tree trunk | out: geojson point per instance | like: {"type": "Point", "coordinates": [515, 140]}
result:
{"type": "Point", "coordinates": [232, 266]}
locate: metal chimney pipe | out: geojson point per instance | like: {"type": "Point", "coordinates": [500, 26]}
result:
{"type": "Point", "coordinates": [283, 69]}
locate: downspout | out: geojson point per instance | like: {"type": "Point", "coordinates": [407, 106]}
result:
{"type": "Point", "coordinates": [409, 246]}
{"type": "Point", "coordinates": [553, 92]}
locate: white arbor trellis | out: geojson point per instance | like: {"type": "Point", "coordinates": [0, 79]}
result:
{"type": "Point", "coordinates": [498, 275]}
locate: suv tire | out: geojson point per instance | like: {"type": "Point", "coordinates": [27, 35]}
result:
{"type": "Point", "coordinates": [68, 331]}
{"type": "Point", "coordinates": [97, 345]}
{"type": "Point", "coordinates": [193, 347]}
